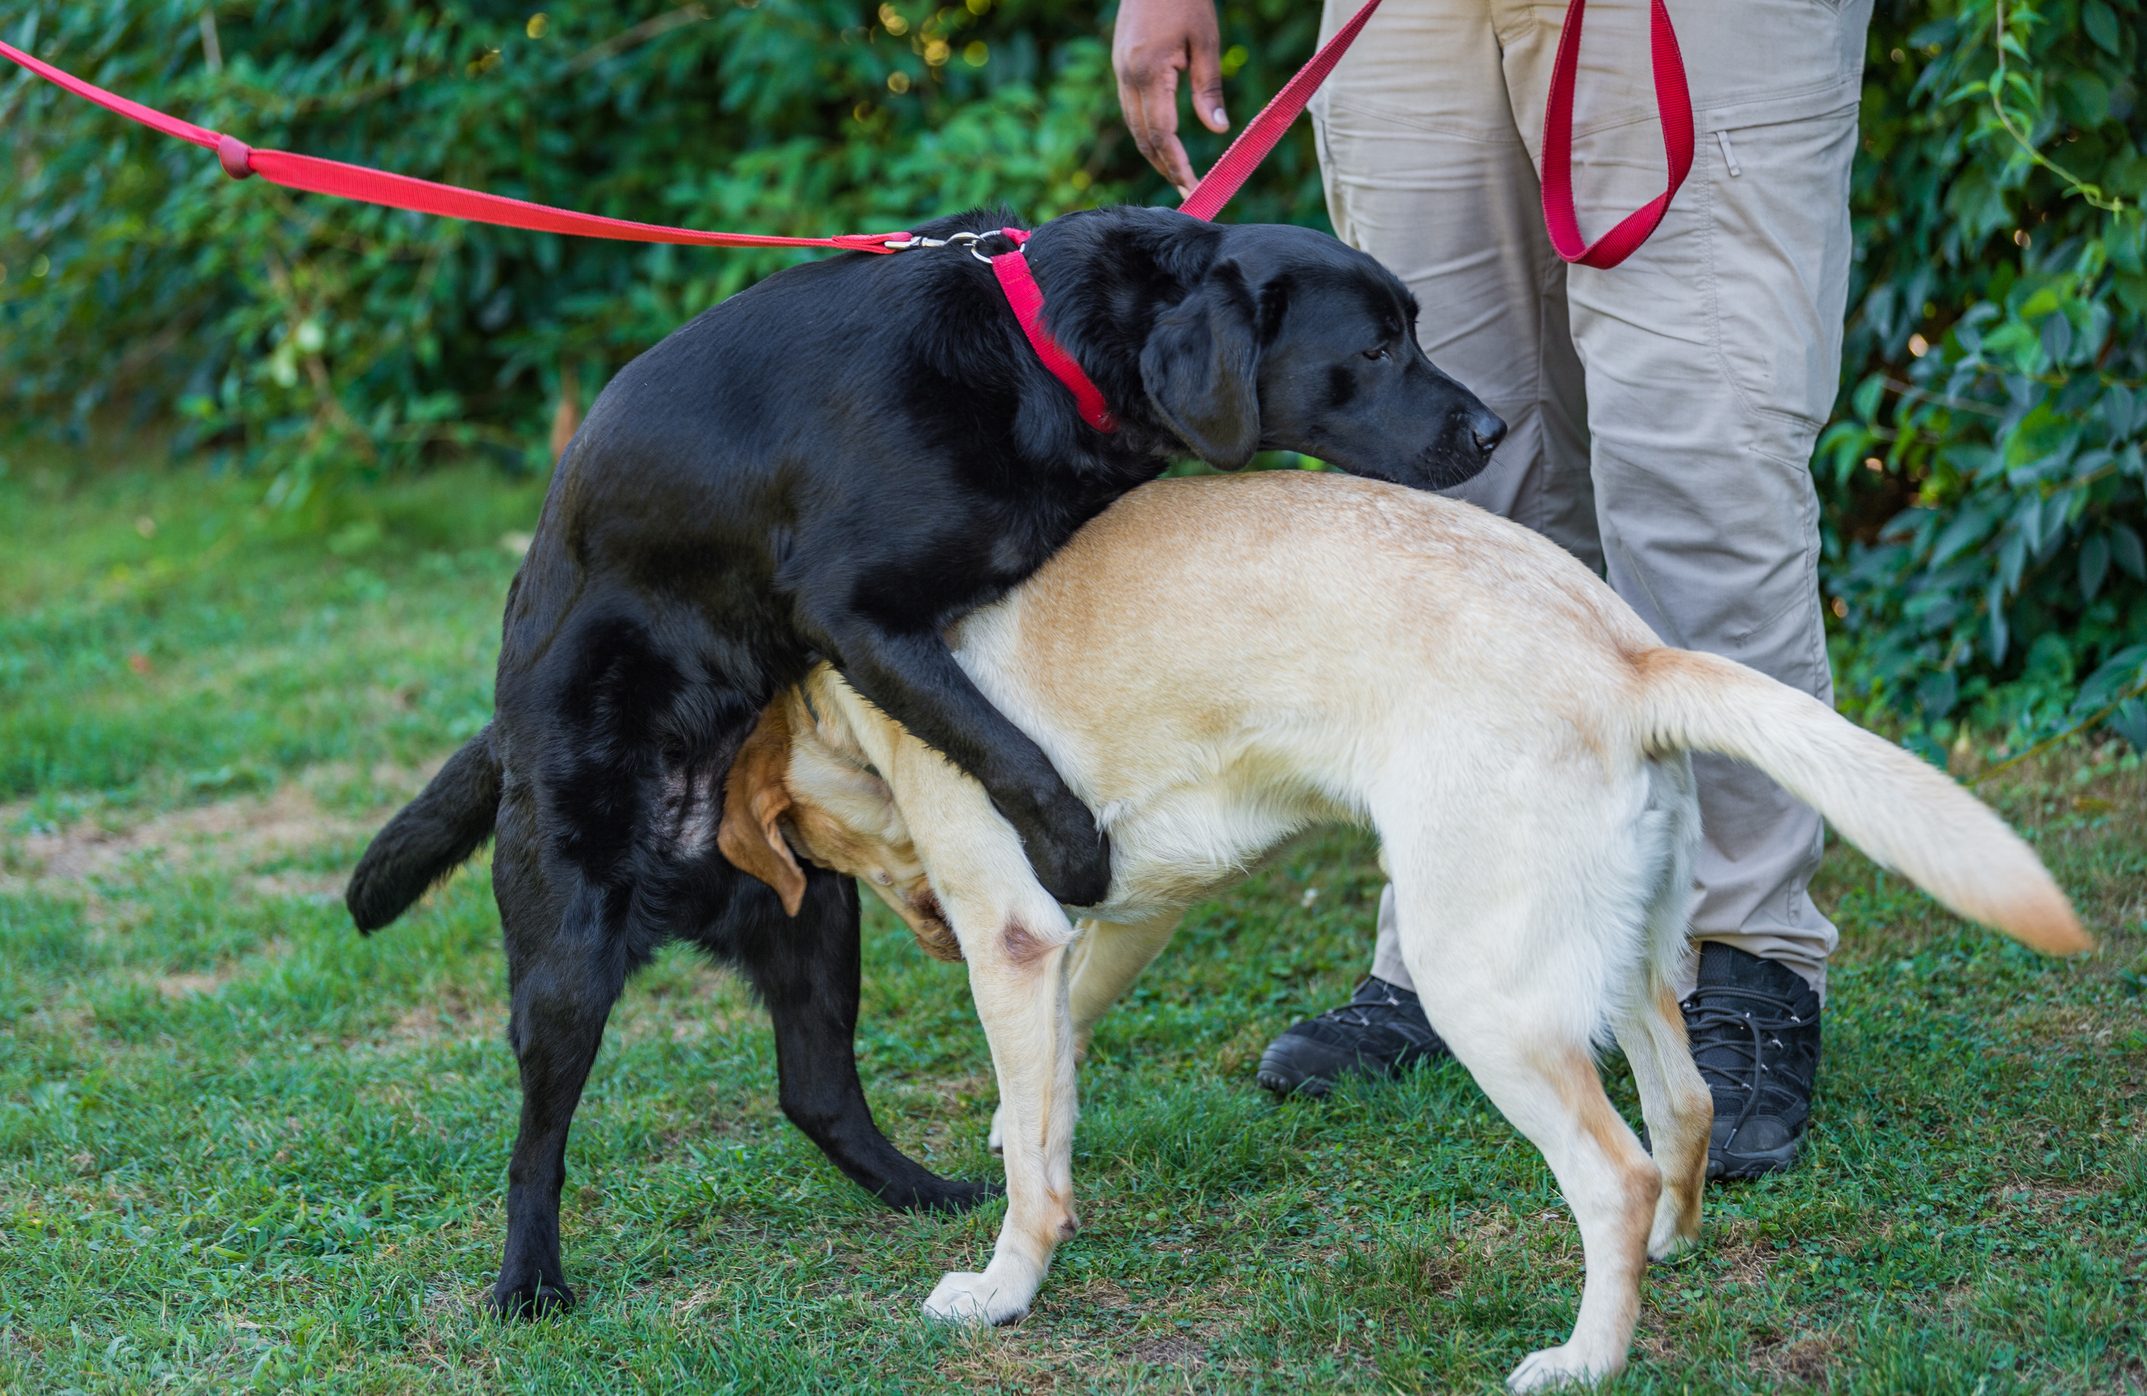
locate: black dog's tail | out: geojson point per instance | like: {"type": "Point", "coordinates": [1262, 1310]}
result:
{"type": "Point", "coordinates": [429, 837]}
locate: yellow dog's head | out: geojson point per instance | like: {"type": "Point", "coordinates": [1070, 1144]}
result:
{"type": "Point", "coordinates": [801, 782]}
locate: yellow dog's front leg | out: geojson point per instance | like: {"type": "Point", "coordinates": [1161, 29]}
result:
{"type": "Point", "coordinates": [1017, 973]}
{"type": "Point", "coordinates": [1015, 939]}
{"type": "Point", "coordinates": [1105, 960]}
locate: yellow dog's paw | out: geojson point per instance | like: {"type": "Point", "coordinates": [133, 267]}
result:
{"type": "Point", "coordinates": [965, 1297]}
{"type": "Point", "coordinates": [1669, 1237]}
{"type": "Point", "coordinates": [1560, 1366]}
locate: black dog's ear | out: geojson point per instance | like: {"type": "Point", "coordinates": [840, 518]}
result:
{"type": "Point", "coordinates": [1200, 367]}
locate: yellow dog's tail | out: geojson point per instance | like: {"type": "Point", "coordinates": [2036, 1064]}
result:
{"type": "Point", "coordinates": [1899, 810]}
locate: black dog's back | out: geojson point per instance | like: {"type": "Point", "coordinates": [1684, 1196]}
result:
{"type": "Point", "coordinates": [843, 423]}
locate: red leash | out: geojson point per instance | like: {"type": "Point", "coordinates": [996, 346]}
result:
{"type": "Point", "coordinates": [364, 185]}
{"type": "Point", "coordinates": [369, 186]}
{"type": "Point", "coordinates": [1227, 175]}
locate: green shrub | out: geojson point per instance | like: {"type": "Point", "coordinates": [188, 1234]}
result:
{"type": "Point", "coordinates": [316, 338]}
{"type": "Point", "coordinates": [1984, 479]}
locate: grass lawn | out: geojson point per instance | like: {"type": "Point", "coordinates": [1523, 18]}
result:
{"type": "Point", "coordinates": [240, 1147]}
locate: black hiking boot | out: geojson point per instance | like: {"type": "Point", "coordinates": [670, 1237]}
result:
{"type": "Point", "coordinates": [1380, 1032]}
{"type": "Point", "coordinates": [1754, 1027]}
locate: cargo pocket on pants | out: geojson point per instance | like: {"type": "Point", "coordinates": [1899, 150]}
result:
{"type": "Point", "coordinates": [1778, 269]}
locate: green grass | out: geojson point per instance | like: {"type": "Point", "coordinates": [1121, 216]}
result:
{"type": "Point", "coordinates": [240, 1147]}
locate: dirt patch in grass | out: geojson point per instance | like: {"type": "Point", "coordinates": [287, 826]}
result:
{"type": "Point", "coordinates": [1179, 1352]}
{"type": "Point", "coordinates": [446, 1016]}
{"type": "Point", "coordinates": [2043, 1029]}
{"type": "Point", "coordinates": [690, 1002]}
{"type": "Point", "coordinates": [186, 986]}
{"type": "Point", "coordinates": [300, 886]}
{"type": "Point", "coordinates": [190, 984]}
{"type": "Point", "coordinates": [442, 1341]}
{"type": "Point", "coordinates": [238, 833]}
{"type": "Point", "coordinates": [2049, 1205]}
{"type": "Point", "coordinates": [1023, 1357]}
{"type": "Point", "coordinates": [1801, 1359]}
{"type": "Point", "coordinates": [1743, 1261]}
{"type": "Point", "coordinates": [1103, 1348]}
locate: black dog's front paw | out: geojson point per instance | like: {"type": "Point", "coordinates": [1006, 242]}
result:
{"type": "Point", "coordinates": [944, 1195]}
{"type": "Point", "coordinates": [1071, 856]}
{"type": "Point", "coordinates": [530, 1298]}
{"type": "Point", "coordinates": [1076, 877]}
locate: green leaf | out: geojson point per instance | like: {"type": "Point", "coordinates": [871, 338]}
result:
{"type": "Point", "coordinates": [1937, 692]}
{"type": "Point", "coordinates": [2085, 98]}
{"type": "Point", "coordinates": [2094, 566]}
{"type": "Point", "coordinates": [2057, 338]}
{"type": "Point", "coordinates": [2126, 551]}
{"type": "Point", "coordinates": [2012, 558]}
{"type": "Point", "coordinates": [1869, 394]}
{"type": "Point", "coordinates": [1966, 528]}
{"type": "Point", "coordinates": [2118, 409]}
{"type": "Point", "coordinates": [2100, 21]}
{"type": "Point", "coordinates": [2126, 244]}
{"type": "Point", "coordinates": [2130, 722]}
{"type": "Point", "coordinates": [2113, 676]}
{"type": "Point", "coordinates": [2044, 301]}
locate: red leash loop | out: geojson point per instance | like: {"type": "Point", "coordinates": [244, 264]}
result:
{"type": "Point", "coordinates": [1673, 105]}
{"type": "Point", "coordinates": [317, 176]}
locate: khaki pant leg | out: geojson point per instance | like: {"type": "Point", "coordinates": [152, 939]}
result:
{"type": "Point", "coordinates": [1425, 170]}
{"type": "Point", "coordinates": [1712, 359]}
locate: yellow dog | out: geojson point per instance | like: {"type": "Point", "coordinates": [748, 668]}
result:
{"type": "Point", "coordinates": [1214, 665]}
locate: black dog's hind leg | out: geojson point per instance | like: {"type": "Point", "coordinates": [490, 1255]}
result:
{"type": "Point", "coordinates": [566, 972]}
{"type": "Point", "coordinates": [806, 971]}
{"type": "Point", "coordinates": [916, 681]}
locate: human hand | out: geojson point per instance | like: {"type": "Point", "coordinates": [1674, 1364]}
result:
{"type": "Point", "coordinates": [1153, 42]}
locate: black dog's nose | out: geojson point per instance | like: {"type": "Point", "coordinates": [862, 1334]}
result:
{"type": "Point", "coordinates": [1488, 428]}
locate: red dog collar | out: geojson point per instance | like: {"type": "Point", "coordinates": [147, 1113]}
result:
{"type": "Point", "coordinates": [1027, 300]}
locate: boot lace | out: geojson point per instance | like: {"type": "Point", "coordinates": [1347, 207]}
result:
{"type": "Point", "coordinates": [1378, 1007]}
{"type": "Point", "coordinates": [1737, 1042]}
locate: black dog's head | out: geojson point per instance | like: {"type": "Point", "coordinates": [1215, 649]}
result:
{"type": "Point", "coordinates": [1291, 340]}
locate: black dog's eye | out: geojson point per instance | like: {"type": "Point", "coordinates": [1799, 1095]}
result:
{"type": "Point", "coordinates": [1379, 355]}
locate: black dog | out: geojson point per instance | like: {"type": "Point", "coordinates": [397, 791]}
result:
{"type": "Point", "coordinates": [835, 464]}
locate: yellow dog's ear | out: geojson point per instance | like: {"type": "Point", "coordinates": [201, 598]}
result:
{"type": "Point", "coordinates": [755, 799]}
